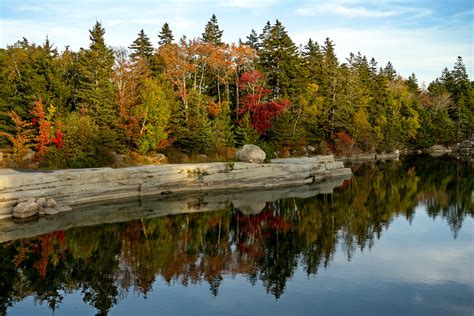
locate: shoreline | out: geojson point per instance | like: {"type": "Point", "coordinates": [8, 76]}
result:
{"type": "Point", "coordinates": [74, 187]}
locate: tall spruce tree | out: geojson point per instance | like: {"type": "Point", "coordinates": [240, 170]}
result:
{"type": "Point", "coordinates": [141, 47]}
{"type": "Point", "coordinates": [166, 36]}
{"type": "Point", "coordinates": [280, 60]}
{"type": "Point", "coordinates": [389, 71]}
{"type": "Point", "coordinates": [313, 61]}
{"type": "Point", "coordinates": [329, 84]}
{"type": "Point", "coordinates": [96, 91]}
{"type": "Point", "coordinates": [252, 40]}
{"type": "Point", "coordinates": [212, 33]}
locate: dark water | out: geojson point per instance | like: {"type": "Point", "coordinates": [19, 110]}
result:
{"type": "Point", "coordinates": [395, 240]}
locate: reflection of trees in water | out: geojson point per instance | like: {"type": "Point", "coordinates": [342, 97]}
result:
{"type": "Point", "coordinates": [107, 262]}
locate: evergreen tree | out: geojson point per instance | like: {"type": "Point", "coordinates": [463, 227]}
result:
{"type": "Point", "coordinates": [412, 84]}
{"type": "Point", "coordinates": [389, 71]}
{"type": "Point", "coordinates": [280, 60]}
{"type": "Point", "coordinates": [141, 47]}
{"type": "Point", "coordinates": [223, 135]}
{"type": "Point", "coordinates": [96, 91]}
{"type": "Point", "coordinates": [265, 32]}
{"type": "Point", "coordinates": [329, 84]}
{"type": "Point", "coordinates": [212, 33]}
{"type": "Point", "coordinates": [461, 84]}
{"type": "Point", "coordinates": [313, 61]}
{"type": "Point", "coordinates": [252, 40]}
{"type": "Point", "coordinates": [244, 133]}
{"type": "Point", "coordinates": [165, 36]}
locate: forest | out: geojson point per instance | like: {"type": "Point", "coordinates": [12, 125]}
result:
{"type": "Point", "coordinates": [201, 96]}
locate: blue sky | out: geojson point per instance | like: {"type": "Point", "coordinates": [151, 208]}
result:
{"type": "Point", "coordinates": [416, 36]}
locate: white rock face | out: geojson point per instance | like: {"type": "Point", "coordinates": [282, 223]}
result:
{"type": "Point", "coordinates": [250, 153]}
{"type": "Point", "coordinates": [25, 209]}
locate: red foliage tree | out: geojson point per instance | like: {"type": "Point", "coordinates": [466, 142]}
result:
{"type": "Point", "coordinates": [44, 138]}
{"type": "Point", "coordinates": [255, 101]}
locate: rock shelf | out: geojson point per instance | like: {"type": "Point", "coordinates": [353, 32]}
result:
{"type": "Point", "coordinates": [73, 187]}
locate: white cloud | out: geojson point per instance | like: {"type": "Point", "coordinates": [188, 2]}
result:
{"type": "Point", "coordinates": [343, 9]}
{"type": "Point", "coordinates": [247, 4]}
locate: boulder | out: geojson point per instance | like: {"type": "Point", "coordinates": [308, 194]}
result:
{"type": "Point", "coordinates": [250, 153]}
{"type": "Point", "coordinates": [50, 211]}
{"type": "Point", "coordinates": [51, 203]}
{"type": "Point", "coordinates": [25, 209]}
{"type": "Point", "coordinates": [41, 202]}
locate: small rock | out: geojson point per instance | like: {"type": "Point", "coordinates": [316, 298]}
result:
{"type": "Point", "coordinates": [250, 153]}
{"type": "Point", "coordinates": [41, 211]}
{"type": "Point", "coordinates": [64, 208]}
{"type": "Point", "coordinates": [310, 149]}
{"type": "Point", "coordinates": [160, 157]}
{"type": "Point", "coordinates": [25, 209]}
{"type": "Point", "coordinates": [29, 155]}
{"type": "Point", "coordinates": [51, 211]}
{"type": "Point", "coordinates": [51, 203]}
{"type": "Point", "coordinates": [41, 202]}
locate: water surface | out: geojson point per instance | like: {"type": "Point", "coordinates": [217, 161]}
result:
{"type": "Point", "coordinates": [397, 239]}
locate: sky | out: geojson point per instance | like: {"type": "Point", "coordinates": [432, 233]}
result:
{"type": "Point", "coordinates": [420, 36]}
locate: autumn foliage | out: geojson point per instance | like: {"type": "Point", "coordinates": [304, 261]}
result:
{"type": "Point", "coordinates": [256, 101]}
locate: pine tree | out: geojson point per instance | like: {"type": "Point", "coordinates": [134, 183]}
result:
{"type": "Point", "coordinates": [212, 33]}
{"type": "Point", "coordinates": [166, 36]}
{"type": "Point", "coordinates": [141, 47]}
{"type": "Point", "coordinates": [96, 90]}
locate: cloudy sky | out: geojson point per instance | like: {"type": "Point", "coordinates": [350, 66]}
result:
{"type": "Point", "coordinates": [420, 36]}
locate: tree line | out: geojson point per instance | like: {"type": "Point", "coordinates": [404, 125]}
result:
{"type": "Point", "coordinates": [75, 109]}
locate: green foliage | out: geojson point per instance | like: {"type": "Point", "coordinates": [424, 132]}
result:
{"type": "Point", "coordinates": [278, 57]}
{"type": "Point", "coordinates": [222, 130]}
{"type": "Point", "coordinates": [244, 133]}
{"type": "Point", "coordinates": [96, 92]}
{"type": "Point", "coordinates": [212, 34]}
{"type": "Point", "coordinates": [193, 129]}
{"type": "Point", "coordinates": [141, 47]}
{"type": "Point", "coordinates": [85, 144]}
{"type": "Point", "coordinates": [166, 35]}
{"type": "Point", "coordinates": [154, 112]}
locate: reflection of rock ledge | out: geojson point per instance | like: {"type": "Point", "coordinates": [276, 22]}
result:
{"type": "Point", "coordinates": [246, 201]}
{"type": "Point", "coordinates": [77, 186]}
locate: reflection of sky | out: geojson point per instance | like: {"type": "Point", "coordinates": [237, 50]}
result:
{"type": "Point", "coordinates": [414, 269]}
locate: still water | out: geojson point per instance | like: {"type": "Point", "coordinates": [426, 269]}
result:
{"type": "Point", "coordinates": [397, 239]}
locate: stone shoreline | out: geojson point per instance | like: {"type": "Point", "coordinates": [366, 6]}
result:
{"type": "Point", "coordinates": [248, 201]}
{"type": "Point", "coordinates": [74, 187]}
